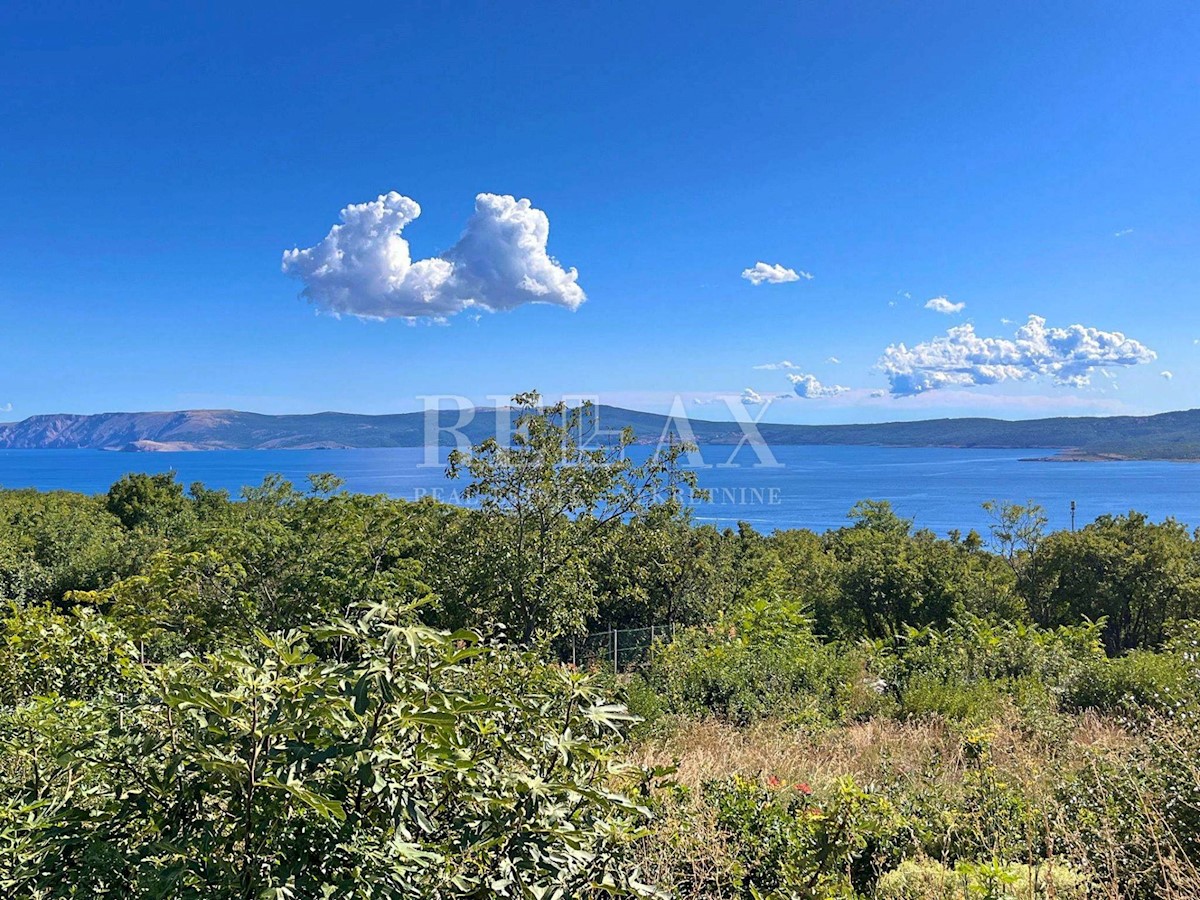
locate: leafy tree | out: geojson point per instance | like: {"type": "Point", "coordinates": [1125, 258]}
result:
{"type": "Point", "coordinates": [1140, 576]}
{"type": "Point", "coordinates": [892, 578]}
{"type": "Point", "coordinates": [551, 505]}
{"type": "Point", "coordinates": [56, 542]}
{"type": "Point", "coordinates": [152, 503]}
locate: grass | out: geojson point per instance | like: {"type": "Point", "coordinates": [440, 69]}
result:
{"type": "Point", "coordinates": [998, 798]}
{"type": "Point", "coordinates": [868, 751]}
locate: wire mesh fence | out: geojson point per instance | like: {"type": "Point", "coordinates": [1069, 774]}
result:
{"type": "Point", "coordinates": [619, 649]}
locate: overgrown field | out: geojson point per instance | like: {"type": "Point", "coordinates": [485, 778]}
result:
{"type": "Point", "coordinates": [304, 693]}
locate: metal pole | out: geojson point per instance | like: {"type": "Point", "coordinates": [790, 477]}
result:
{"type": "Point", "coordinates": [614, 637]}
{"type": "Point", "coordinates": [1072, 515]}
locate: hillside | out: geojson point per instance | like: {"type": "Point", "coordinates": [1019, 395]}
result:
{"type": "Point", "coordinates": [1173, 435]}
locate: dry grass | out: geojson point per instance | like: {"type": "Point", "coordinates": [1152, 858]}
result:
{"type": "Point", "coordinates": [867, 751]}
{"type": "Point", "coordinates": [691, 857]}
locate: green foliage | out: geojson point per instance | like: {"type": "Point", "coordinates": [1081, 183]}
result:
{"type": "Point", "coordinates": [44, 653]}
{"type": "Point", "coordinates": [427, 765]}
{"type": "Point", "coordinates": [788, 844]}
{"type": "Point", "coordinates": [1138, 683]}
{"type": "Point", "coordinates": [761, 661]}
{"type": "Point", "coordinates": [965, 669]}
{"type": "Point", "coordinates": [150, 503]}
{"type": "Point", "coordinates": [892, 578]}
{"type": "Point", "coordinates": [1139, 576]}
{"type": "Point", "coordinates": [930, 880]}
{"type": "Point", "coordinates": [54, 543]}
{"type": "Point", "coordinates": [287, 695]}
{"type": "Point", "coordinates": [550, 504]}
{"type": "Point", "coordinates": [1136, 819]}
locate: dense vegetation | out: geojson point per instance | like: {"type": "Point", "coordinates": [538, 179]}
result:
{"type": "Point", "coordinates": [313, 694]}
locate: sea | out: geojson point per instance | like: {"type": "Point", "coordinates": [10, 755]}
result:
{"type": "Point", "coordinates": [805, 487]}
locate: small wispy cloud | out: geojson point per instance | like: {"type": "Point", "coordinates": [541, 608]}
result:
{"type": "Point", "coordinates": [1123, 232]}
{"type": "Point", "coordinates": [1167, 374]}
{"type": "Point", "coordinates": [6, 408]}
{"type": "Point", "coordinates": [807, 387]}
{"type": "Point", "coordinates": [762, 273]}
{"type": "Point", "coordinates": [775, 366]}
{"type": "Point", "coordinates": [834, 360]}
{"type": "Point", "coordinates": [944, 306]}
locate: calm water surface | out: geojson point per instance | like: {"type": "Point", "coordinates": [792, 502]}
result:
{"type": "Point", "coordinates": [813, 488]}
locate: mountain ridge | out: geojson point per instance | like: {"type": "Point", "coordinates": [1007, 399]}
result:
{"type": "Point", "coordinates": [1170, 435]}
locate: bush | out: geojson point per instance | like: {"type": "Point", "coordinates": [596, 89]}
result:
{"type": "Point", "coordinates": [425, 765]}
{"type": "Point", "coordinates": [1135, 684]}
{"type": "Point", "coordinates": [930, 880]}
{"type": "Point", "coordinates": [787, 843]}
{"type": "Point", "coordinates": [737, 678]}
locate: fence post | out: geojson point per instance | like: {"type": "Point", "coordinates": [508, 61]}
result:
{"type": "Point", "coordinates": [615, 663]}
{"type": "Point", "coordinates": [574, 641]}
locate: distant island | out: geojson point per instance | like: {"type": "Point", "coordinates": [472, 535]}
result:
{"type": "Point", "coordinates": [1166, 436]}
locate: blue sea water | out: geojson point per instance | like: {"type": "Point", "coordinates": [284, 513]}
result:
{"type": "Point", "coordinates": [813, 487]}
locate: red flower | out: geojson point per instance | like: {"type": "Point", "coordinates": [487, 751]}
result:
{"type": "Point", "coordinates": [804, 787]}
{"type": "Point", "coordinates": [773, 781]}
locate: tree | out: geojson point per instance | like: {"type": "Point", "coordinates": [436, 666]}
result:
{"type": "Point", "coordinates": [894, 578]}
{"type": "Point", "coordinates": [1139, 575]}
{"type": "Point", "coordinates": [54, 543]}
{"type": "Point", "coordinates": [549, 506]}
{"type": "Point", "coordinates": [153, 503]}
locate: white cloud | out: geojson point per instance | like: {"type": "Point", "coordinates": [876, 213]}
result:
{"type": "Point", "coordinates": [6, 408]}
{"type": "Point", "coordinates": [1167, 374]}
{"type": "Point", "coordinates": [834, 360]}
{"type": "Point", "coordinates": [363, 266]}
{"type": "Point", "coordinates": [1004, 321]}
{"type": "Point", "coordinates": [762, 273]}
{"type": "Point", "coordinates": [782, 364]}
{"type": "Point", "coordinates": [750, 397]}
{"type": "Point", "coordinates": [808, 388]}
{"type": "Point", "coordinates": [1123, 232]}
{"type": "Point", "coordinates": [942, 305]}
{"type": "Point", "coordinates": [961, 358]}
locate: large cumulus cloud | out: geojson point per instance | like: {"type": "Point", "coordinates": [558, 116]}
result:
{"type": "Point", "coordinates": [363, 267]}
{"type": "Point", "coordinates": [961, 358]}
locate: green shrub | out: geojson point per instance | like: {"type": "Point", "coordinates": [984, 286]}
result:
{"type": "Point", "coordinates": [978, 701]}
{"type": "Point", "coordinates": [426, 765]}
{"type": "Point", "coordinates": [1141, 681]}
{"type": "Point", "coordinates": [930, 880]}
{"type": "Point", "coordinates": [788, 843]}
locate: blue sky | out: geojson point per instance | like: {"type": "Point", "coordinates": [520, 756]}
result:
{"type": "Point", "coordinates": [1019, 158]}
